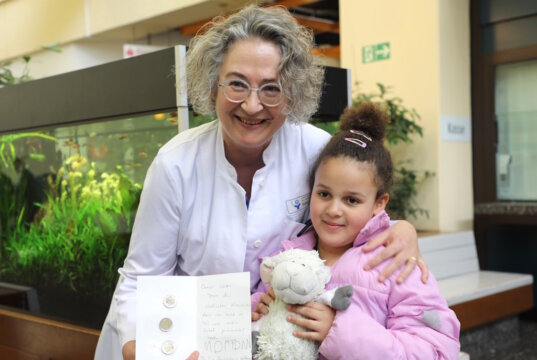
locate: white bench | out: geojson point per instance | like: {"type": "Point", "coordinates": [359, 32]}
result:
{"type": "Point", "coordinates": [477, 297]}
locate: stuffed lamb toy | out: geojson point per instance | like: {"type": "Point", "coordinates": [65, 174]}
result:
{"type": "Point", "coordinates": [297, 277]}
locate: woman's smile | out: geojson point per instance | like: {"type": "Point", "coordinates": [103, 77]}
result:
{"type": "Point", "coordinates": [248, 121]}
{"type": "Point", "coordinates": [249, 125]}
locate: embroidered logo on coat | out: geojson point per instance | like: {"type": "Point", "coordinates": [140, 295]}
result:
{"type": "Point", "coordinates": [297, 206]}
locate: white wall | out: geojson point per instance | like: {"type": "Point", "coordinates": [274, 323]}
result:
{"type": "Point", "coordinates": [455, 160]}
{"type": "Point", "coordinates": [429, 68]}
{"type": "Point", "coordinates": [27, 25]}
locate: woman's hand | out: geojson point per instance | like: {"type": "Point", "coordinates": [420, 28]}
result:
{"type": "Point", "coordinates": [262, 306]}
{"type": "Point", "coordinates": [129, 352]}
{"type": "Point", "coordinates": [401, 242]}
{"type": "Point", "coordinates": [317, 320]}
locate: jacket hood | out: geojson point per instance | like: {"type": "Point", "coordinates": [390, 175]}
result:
{"type": "Point", "coordinates": [376, 225]}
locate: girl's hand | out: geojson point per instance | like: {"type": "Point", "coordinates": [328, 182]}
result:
{"type": "Point", "coordinates": [194, 356]}
{"type": "Point", "coordinates": [401, 242]}
{"type": "Point", "coordinates": [262, 306]}
{"type": "Point", "coordinates": [317, 320]}
{"type": "Point", "coordinates": [129, 350]}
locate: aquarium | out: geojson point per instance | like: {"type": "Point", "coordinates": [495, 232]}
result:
{"type": "Point", "coordinates": [72, 165]}
{"type": "Point", "coordinates": [68, 198]}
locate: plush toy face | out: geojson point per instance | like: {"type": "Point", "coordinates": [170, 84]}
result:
{"type": "Point", "coordinates": [297, 276]}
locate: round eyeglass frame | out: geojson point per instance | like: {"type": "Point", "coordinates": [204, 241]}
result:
{"type": "Point", "coordinates": [224, 85]}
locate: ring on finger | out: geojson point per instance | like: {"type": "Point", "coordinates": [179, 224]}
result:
{"type": "Point", "coordinates": [412, 260]}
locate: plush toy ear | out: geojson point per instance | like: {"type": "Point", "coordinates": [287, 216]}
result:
{"type": "Point", "coordinates": [265, 270]}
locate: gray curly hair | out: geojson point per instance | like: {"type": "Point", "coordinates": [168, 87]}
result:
{"type": "Point", "coordinates": [300, 76]}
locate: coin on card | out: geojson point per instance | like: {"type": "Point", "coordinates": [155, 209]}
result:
{"type": "Point", "coordinates": [167, 347]}
{"type": "Point", "coordinates": [169, 301]}
{"type": "Point", "coordinates": [165, 324]}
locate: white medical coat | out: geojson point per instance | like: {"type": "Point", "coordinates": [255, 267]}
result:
{"type": "Point", "coordinates": [192, 218]}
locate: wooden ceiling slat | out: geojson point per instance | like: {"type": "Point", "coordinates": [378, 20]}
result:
{"type": "Point", "coordinates": [328, 51]}
{"type": "Point", "coordinates": [291, 3]}
{"type": "Point", "coordinates": [317, 25]}
{"type": "Point", "coordinates": [193, 28]}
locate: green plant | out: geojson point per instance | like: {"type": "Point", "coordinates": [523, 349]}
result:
{"type": "Point", "coordinates": [8, 78]}
{"type": "Point", "coordinates": [82, 236]}
{"type": "Point", "coordinates": [402, 126]}
{"type": "Point", "coordinates": [13, 204]}
{"type": "Point", "coordinates": [11, 195]}
{"type": "Point", "coordinates": [402, 120]}
{"type": "Point", "coordinates": [329, 126]}
{"type": "Point", "coordinates": [16, 198]}
{"type": "Point", "coordinates": [7, 206]}
{"type": "Point", "coordinates": [8, 153]}
{"type": "Point", "coordinates": [405, 187]}
{"type": "Point", "coordinates": [6, 74]}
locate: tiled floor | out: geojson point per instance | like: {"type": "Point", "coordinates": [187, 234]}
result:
{"type": "Point", "coordinates": [510, 339]}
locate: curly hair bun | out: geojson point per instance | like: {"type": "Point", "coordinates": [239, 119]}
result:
{"type": "Point", "coordinates": [368, 117]}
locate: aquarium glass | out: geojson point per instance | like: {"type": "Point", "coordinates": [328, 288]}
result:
{"type": "Point", "coordinates": [68, 197]}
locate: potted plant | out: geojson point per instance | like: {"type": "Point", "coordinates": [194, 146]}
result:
{"type": "Point", "coordinates": [402, 127]}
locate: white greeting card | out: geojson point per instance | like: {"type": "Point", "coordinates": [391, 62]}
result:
{"type": "Point", "coordinates": [179, 314]}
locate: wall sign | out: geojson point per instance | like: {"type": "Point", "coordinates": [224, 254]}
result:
{"type": "Point", "coordinates": [131, 50]}
{"type": "Point", "coordinates": [456, 128]}
{"type": "Point", "coordinates": [375, 52]}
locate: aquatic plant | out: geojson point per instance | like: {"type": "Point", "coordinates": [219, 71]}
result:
{"type": "Point", "coordinates": [82, 235]}
{"type": "Point", "coordinates": [7, 206]}
{"type": "Point", "coordinates": [13, 196]}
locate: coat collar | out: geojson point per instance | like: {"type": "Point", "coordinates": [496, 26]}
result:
{"type": "Point", "coordinates": [376, 225]}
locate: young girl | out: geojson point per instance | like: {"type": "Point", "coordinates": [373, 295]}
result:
{"type": "Point", "coordinates": [386, 320]}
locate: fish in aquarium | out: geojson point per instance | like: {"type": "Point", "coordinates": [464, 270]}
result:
{"type": "Point", "coordinates": [98, 151]}
{"type": "Point", "coordinates": [134, 165]}
{"type": "Point", "coordinates": [71, 144]}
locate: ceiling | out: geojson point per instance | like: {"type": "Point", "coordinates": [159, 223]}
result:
{"type": "Point", "coordinates": [322, 16]}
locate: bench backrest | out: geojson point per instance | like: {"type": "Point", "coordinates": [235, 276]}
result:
{"type": "Point", "coordinates": [450, 254]}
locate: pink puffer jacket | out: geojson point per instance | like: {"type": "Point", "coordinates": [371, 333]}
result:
{"type": "Point", "coordinates": [385, 320]}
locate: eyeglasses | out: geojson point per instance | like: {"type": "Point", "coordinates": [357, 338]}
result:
{"type": "Point", "coordinates": [237, 91]}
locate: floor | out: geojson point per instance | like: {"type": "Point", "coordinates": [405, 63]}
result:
{"type": "Point", "coordinates": [510, 339]}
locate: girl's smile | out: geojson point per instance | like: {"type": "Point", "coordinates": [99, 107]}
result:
{"type": "Point", "coordinates": [343, 200]}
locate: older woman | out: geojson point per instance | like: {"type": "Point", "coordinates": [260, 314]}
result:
{"type": "Point", "coordinates": [220, 196]}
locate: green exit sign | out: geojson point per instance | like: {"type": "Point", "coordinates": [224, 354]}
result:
{"type": "Point", "coordinates": [375, 52]}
